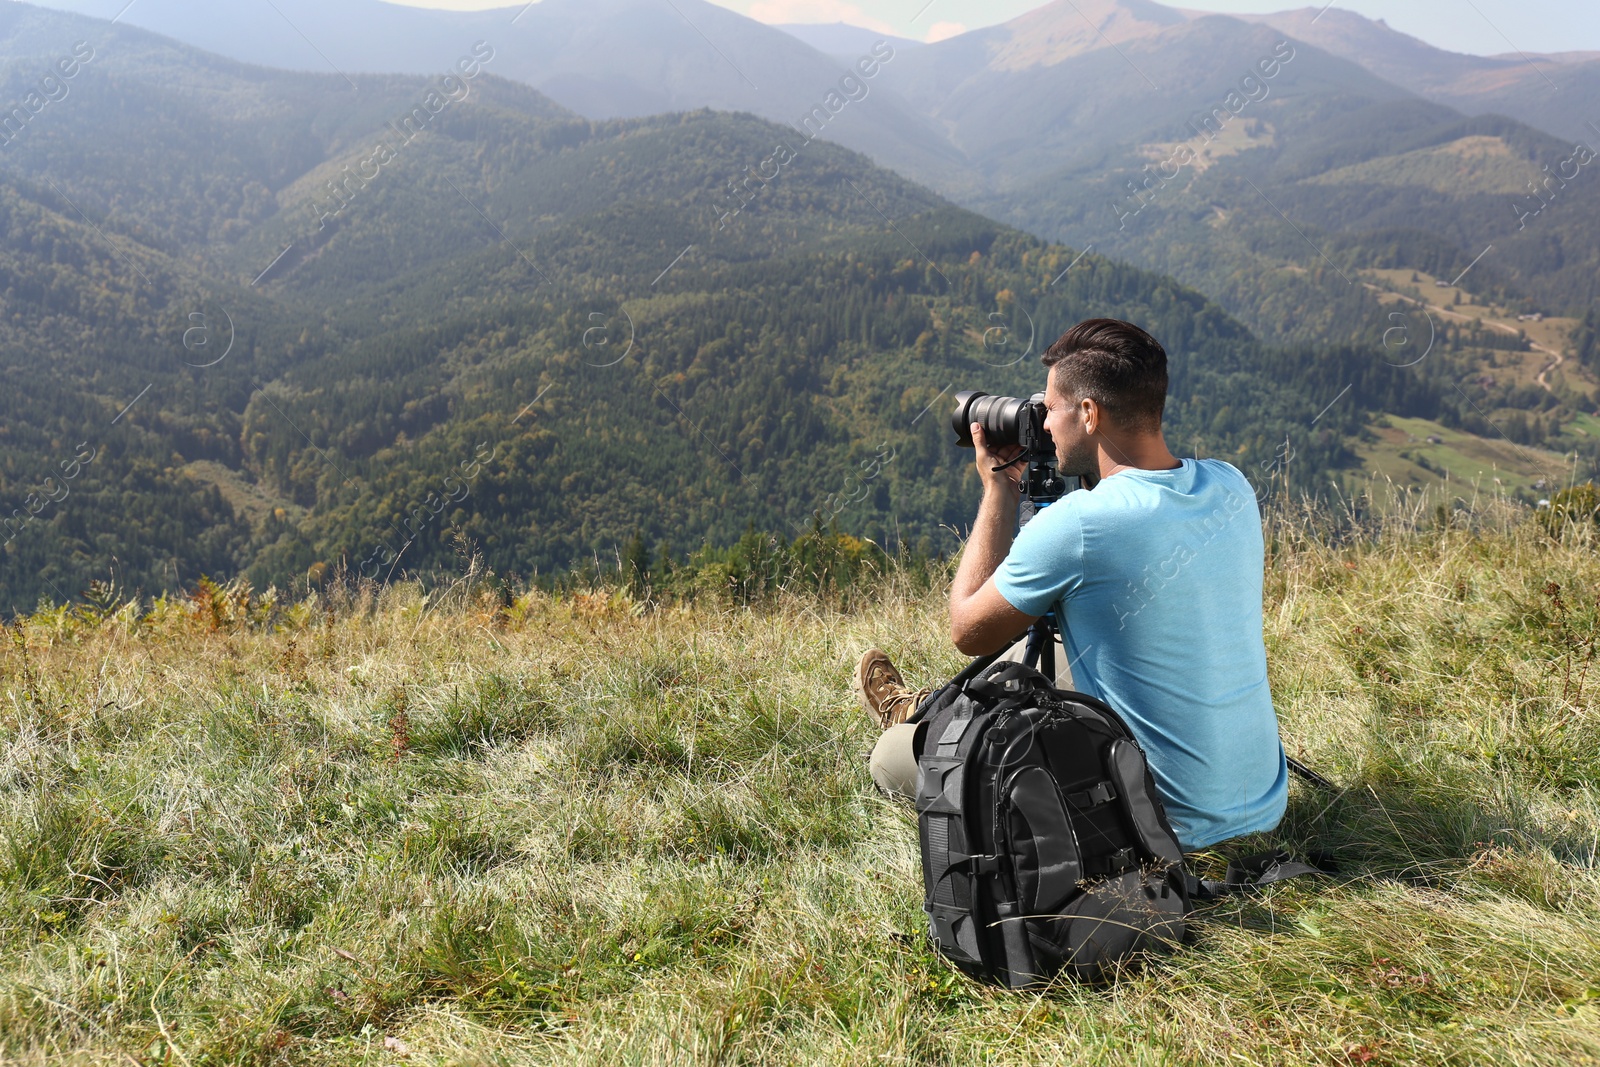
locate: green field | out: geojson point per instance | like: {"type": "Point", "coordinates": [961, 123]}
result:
{"type": "Point", "coordinates": [1586, 424]}
{"type": "Point", "coordinates": [392, 828]}
{"type": "Point", "coordinates": [1416, 453]}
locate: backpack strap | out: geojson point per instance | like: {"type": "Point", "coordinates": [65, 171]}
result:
{"type": "Point", "coordinates": [969, 677]}
{"type": "Point", "coordinates": [942, 695]}
{"type": "Point", "coordinates": [1250, 873]}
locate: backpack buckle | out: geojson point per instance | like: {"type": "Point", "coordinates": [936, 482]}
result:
{"type": "Point", "coordinates": [1099, 793]}
{"type": "Point", "coordinates": [986, 689]}
{"type": "Point", "coordinates": [975, 863]}
{"type": "Point", "coordinates": [1124, 859]}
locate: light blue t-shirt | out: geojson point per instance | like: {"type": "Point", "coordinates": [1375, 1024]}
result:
{"type": "Point", "coordinates": [1155, 577]}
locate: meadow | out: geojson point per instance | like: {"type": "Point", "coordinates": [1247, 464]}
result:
{"type": "Point", "coordinates": [473, 824]}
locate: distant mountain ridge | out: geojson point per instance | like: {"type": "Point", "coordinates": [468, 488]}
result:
{"type": "Point", "coordinates": [550, 49]}
{"type": "Point", "coordinates": [1044, 120]}
{"type": "Point", "coordinates": [841, 38]}
{"type": "Point", "coordinates": [601, 58]}
{"type": "Point", "coordinates": [1555, 92]}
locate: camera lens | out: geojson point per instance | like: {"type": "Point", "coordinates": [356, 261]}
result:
{"type": "Point", "coordinates": [1000, 417]}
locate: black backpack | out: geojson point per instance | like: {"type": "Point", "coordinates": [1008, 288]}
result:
{"type": "Point", "coordinates": [1044, 844]}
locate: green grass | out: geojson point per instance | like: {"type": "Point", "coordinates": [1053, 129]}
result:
{"type": "Point", "coordinates": [403, 830]}
{"type": "Point", "coordinates": [1589, 424]}
{"type": "Point", "coordinates": [1465, 459]}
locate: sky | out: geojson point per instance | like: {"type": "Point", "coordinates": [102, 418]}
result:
{"type": "Point", "coordinates": [1482, 27]}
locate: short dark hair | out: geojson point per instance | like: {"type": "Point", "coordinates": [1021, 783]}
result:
{"type": "Point", "coordinates": [1115, 364]}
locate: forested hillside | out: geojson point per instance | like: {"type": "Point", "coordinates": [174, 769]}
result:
{"type": "Point", "coordinates": [302, 327]}
{"type": "Point", "coordinates": [1257, 150]}
{"type": "Point", "coordinates": [1355, 135]}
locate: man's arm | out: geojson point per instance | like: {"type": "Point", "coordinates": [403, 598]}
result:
{"type": "Point", "coordinates": [981, 620]}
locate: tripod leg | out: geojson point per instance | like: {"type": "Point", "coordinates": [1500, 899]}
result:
{"type": "Point", "coordinates": [1312, 776]}
{"type": "Point", "coordinates": [1040, 651]}
{"type": "Point", "coordinates": [1033, 649]}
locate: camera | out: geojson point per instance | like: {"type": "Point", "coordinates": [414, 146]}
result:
{"type": "Point", "coordinates": [1011, 420]}
{"type": "Point", "coordinates": [1006, 420]}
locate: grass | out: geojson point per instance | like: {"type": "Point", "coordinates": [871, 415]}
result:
{"type": "Point", "coordinates": [383, 827]}
{"type": "Point", "coordinates": [1587, 424]}
{"type": "Point", "coordinates": [1463, 459]}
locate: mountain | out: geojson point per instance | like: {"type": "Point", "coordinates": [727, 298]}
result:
{"type": "Point", "coordinates": [842, 40]}
{"type": "Point", "coordinates": [1308, 195]}
{"type": "Point", "coordinates": [1044, 120]}
{"type": "Point", "coordinates": [1045, 93]}
{"type": "Point", "coordinates": [349, 36]}
{"type": "Point", "coordinates": [600, 58]}
{"type": "Point", "coordinates": [1555, 92]}
{"type": "Point", "coordinates": [650, 57]}
{"type": "Point", "coordinates": [291, 327]}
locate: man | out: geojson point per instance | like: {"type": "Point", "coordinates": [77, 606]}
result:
{"type": "Point", "coordinates": [1154, 576]}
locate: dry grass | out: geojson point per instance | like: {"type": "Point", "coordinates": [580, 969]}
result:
{"type": "Point", "coordinates": [396, 828]}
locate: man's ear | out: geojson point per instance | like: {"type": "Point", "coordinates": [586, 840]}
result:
{"type": "Point", "coordinates": [1093, 417]}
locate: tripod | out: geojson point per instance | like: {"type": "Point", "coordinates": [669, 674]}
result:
{"type": "Point", "coordinates": [1042, 485]}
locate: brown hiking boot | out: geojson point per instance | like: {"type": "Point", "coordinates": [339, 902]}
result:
{"type": "Point", "coordinates": [882, 692]}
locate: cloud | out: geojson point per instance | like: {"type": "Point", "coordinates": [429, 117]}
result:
{"type": "Point", "coordinates": [939, 31]}
{"type": "Point", "coordinates": [774, 11]}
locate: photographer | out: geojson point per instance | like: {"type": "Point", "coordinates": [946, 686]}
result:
{"type": "Point", "coordinates": [1154, 576]}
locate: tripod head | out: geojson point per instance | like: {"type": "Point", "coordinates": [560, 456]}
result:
{"type": "Point", "coordinates": [1042, 485]}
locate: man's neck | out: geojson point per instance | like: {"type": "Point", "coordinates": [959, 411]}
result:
{"type": "Point", "coordinates": [1146, 452]}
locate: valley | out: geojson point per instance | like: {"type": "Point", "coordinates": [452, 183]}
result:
{"type": "Point", "coordinates": [558, 278]}
{"type": "Point", "coordinates": [1523, 461]}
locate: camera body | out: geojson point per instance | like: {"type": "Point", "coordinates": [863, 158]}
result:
{"type": "Point", "coordinates": [1011, 420]}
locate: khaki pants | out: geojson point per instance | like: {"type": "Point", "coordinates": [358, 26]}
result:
{"type": "Point", "coordinates": [894, 757]}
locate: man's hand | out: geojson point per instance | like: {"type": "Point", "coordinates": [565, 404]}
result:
{"type": "Point", "coordinates": [981, 620]}
{"type": "Point", "coordinates": [1007, 481]}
